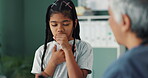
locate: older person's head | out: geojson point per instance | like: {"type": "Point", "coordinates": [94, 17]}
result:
{"type": "Point", "coordinates": [129, 21]}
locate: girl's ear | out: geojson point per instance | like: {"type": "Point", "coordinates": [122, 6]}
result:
{"type": "Point", "coordinates": [76, 22]}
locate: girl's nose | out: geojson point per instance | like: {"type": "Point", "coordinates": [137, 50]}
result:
{"type": "Point", "coordinates": [60, 29]}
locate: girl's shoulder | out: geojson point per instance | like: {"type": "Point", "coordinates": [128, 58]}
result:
{"type": "Point", "coordinates": [82, 44]}
{"type": "Point", "coordinates": [49, 44]}
{"type": "Point", "coordinates": [83, 48]}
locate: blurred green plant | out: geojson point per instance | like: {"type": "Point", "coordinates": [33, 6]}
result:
{"type": "Point", "coordinates": [15, 67]}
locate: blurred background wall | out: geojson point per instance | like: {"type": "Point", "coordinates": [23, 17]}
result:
{"type": "Point", "coordinates": [12, 27]}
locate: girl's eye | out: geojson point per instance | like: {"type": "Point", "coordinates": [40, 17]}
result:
{"type": "Point", "coordinates": [65, 24]}
{"type": "Point", "coordinates": [54, 25]}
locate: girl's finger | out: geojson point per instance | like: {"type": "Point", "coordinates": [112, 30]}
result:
{"type": "Point", "coordinates": [54, 48]}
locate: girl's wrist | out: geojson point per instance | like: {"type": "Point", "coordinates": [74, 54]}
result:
{"type": "Point", "coordinates": [67, 49]}
{"type": "Point", "coordinates": [68, 52]}
{"type": "Point", "coordinates": [44, 75]}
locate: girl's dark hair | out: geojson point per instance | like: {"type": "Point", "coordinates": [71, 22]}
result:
{"type": "Point", "coordinates": [67, 8]}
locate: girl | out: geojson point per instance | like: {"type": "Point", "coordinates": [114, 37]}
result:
{"type": "Point", "coordinates": [63, 55]}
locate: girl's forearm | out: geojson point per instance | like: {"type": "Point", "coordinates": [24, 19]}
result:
{"type": "Point", "coordinates": [74, 70]}
{"type": "Point", "coordinates": [50, 69]}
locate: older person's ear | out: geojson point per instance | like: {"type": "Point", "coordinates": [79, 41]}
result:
{"type": "Point", "coordinates": [126, 22]}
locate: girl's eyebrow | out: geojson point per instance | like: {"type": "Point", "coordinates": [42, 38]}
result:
{"type": "Point", "coordinates": [62, 21]}
{"type": "Point", "coordinates": [66, 21]}
{"type": "Point", "coordinates": [53, 21]}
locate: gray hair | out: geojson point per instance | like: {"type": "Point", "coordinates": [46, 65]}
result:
{"type": "Point", "coordinates": [137, 10]}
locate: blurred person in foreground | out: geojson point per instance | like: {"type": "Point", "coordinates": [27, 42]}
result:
{"type": "Point", "coordinates": [129, 23]}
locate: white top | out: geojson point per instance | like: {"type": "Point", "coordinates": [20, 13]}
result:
{"type": "Point", "coordinates": [83, 57]}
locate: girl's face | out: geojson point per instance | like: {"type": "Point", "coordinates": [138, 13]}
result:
{"type": "Point", "coordinates": [61, 25]}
